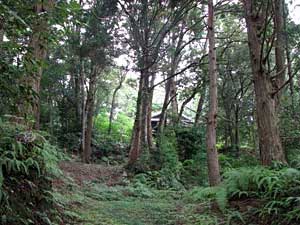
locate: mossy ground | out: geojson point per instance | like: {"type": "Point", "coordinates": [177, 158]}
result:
{"type": "Point", "coordinates": [96, 201]}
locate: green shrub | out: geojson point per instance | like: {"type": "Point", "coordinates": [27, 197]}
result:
{"type": "Point", "coordinates": [190, 141]}
{"type": "Point", "coordinates": [228, 162]}
{"type": "Point", "coordinates": [27, 165]}
{"type": "Point", "coordinates": [166, 159]}
{"type": "Point", "coordinates": [192, 154]}
{"type": "Point", "coordinates": [276, 191]}
{"type": "Point", "coordinates": [114, 144]}
{"type": "Point", "coordinates": [121, 127]}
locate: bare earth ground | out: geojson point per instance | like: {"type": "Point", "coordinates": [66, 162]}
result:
{"type": "Point", "coordinates": [82, 173]}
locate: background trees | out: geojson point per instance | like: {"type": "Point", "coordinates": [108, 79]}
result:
{"type": "Point", "coordinates": [74, 50]}
{"type": "Point", "coordinates": [143, 84]}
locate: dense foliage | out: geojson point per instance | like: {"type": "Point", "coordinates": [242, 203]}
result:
{"type": "Point", "coordinates": [28, 165]}
{"type": "Point", "coordinates": [191, 106]}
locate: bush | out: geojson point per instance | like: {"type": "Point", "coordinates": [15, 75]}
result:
{"type": "Point", "coordinates": [272, 196]}
{"type": "Point", "coordinates": [121, 127]}
{"type": "Point", "coordinates": [116, 143]}
{"type": "Point", "coordinates": [190, 141]}
{"type": "Point", "coordinates": [27, 165]}
{"type": "Point", "coordinates": [182, 158]}
{"type": "Point", "coordinates": [192, 154]}
{"type": "Point", "coordinates": [229, 162]}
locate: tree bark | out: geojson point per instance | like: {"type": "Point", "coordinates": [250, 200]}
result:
{"type": "Point", "coordinates": [113, 103]}
{"type": "Point", "coordinates": [141, 141]}
{"type": "Point", "coordinates": [38, 45]}
{"type": "Point", "coordinates": [267, 120]}
{"type": "Point", "coordinates": [83, 109]}
{"type": "Point", "coordinates": [236, 130]}
{"type": "Point", "coordinates": [289, 62]}
{"type": "Point", "coordinates": [163, 114]}
{"type": "Point", "coordinates": [212, 154]}
{"type": "Point", "coordinates": [185, 102]}
{"type": "Point", "coordinates": [149, 115]}
{"type": "Point", "coordinates": [200, 105]}
{"type": "Point", "coordinates": [174, 103]}
{"type": "Point", "coordinates": [90, 107]}
{"type": "Point", "coordinates": [135, 144]}
{"type": "Point", "coordinates": [279, 46]}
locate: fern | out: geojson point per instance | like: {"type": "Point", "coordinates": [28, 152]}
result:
{"type": "Point", "coordinates": [27, 161]}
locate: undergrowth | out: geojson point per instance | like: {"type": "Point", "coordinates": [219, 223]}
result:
{"type": "Point", "coordinates": [131, 204]}
{"type": "Point", "coordinates": [258, 195]}
{"type": "Point", "coordinates": [27, 164]}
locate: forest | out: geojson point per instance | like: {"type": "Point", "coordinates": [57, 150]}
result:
{"type": "Point", "coordinates": [149, 112]}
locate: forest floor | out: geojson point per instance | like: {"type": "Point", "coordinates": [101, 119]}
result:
{"type": "Point", "coordinates": [94, 194]}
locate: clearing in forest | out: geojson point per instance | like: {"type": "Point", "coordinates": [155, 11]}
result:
{"type": "Point", "coordinates": [91, 194]}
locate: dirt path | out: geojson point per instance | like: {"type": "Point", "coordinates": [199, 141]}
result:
{"type": "Point", "coordinates": [92, 194]}
{"type": "Point", "coordinates": [82, 173]}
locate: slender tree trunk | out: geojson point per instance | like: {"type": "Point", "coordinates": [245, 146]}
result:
{"type": "Point", "coordinates": [289, 63]}
{"type": "Point", "coordinates": [113, 106]}
{"type": "Point", "coordinates": [200, 105]}
{"type": "Point", "coordinates": [149, 115]}
{"type": "Point", "coordinates": [185, 102]}
{"type": "Point", "coordinates": [163, 114]}
{"type": "Point", "coordinates": [174, 103]}
{"type": "Point", "coordinates": [229, 124]}
{"type": "Point", "coordinates": [212, 154]}
{"type": "Point", "coordinates": [90, 105]}
{"type": "Point", "coordinates": [83, 109]}
{"type": "Point", "coordinates": [267, 120]}
{"type": "Point", "coordinates": [170, 87]}
{"type": "Point", "coordinates": [145, 112]}
{"type": "Point", "coordinates": [237, 130]}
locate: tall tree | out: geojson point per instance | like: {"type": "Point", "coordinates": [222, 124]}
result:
{"type": "Point", "coordinates": [37, 53]}
{"type": "Point", "coordinates": [212, 153]}
{"type": "Point", "coordinates": [257, 14]}
{"type": "Point", "coordinates": [149, 23]}
{"type": "Point", "coordinates": [279, 45]}
{"type": "Point", "coordinates": [97, 48]}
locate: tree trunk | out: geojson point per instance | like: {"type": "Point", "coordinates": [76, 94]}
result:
{"type": "Point", "coordinates": [149, 115]}
{"type": "Point", "coordinates": [279, 47]}
{"type": "Point", "coordinates": [142, 133]}
{"type": "Point", "coordinates": [228, 124]}
{"type": "Point", "coordinates": [237, 130]}
{"type": "Point", "coordinates": [145, 99]}
{"type": "Point", "coordinates": [267, 120]}
{"type": "Point", "coordinates": [90, 106]}
{"type": "Point", "coordinates": [38, 44]}
{"type": "Point", "coordinates": [174, 103]}
{"type": "Point", "coordinates": [212, 154]}
{"type": "Point", "coordinates": [113, 105]}
{"type": "Point", "coordinates": [289, 66]}
{"type": "Point", "coordinates": [78, 103]}
{"type": "Point", "coordinates": [185, 102]}
{"type": "Point", "coordinates": [135, 144]}
{"type": "Point", "coordinates": [83, 110]}
{"type": "Point", "coordinates": [163, 114]}
{"type": "Point", "coordinates": [200, 105]}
